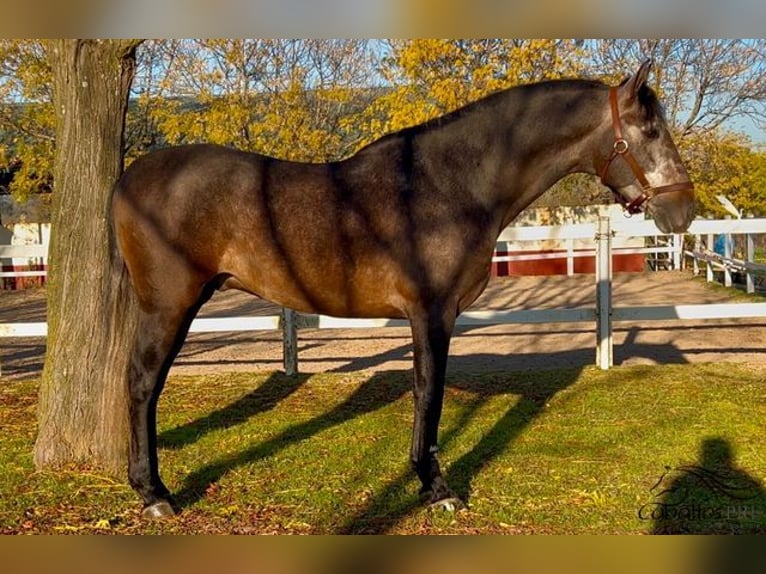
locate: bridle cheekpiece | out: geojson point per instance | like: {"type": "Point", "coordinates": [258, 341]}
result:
{"type": "Point", "coordinates": [621, 148]}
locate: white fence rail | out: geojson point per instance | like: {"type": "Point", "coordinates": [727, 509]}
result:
{"type": "Point", "coordinates": [35, 252]}
{"type": "Point", "coordinates": [604, 314]}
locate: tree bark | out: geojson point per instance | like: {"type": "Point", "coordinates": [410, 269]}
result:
{"type": "Point", "coordinates": [83, 398]}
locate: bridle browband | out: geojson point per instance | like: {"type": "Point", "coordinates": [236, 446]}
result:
{"type": "Point", "coordinates": [622, 149]}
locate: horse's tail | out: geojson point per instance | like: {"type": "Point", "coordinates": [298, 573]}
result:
{"type": "Point", "coordinates": [123, 304]}
{"type": "Point", "coordinates": [123, 309]}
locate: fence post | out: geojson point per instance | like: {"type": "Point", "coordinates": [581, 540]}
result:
{"type": "Point", "coordinates": [727, 253]}
{"type": "Point", "coordinates": [749, 258]}
{"type": "Point", "coordinates": [696, 249]}
{"type": "Point", "coordinates": [709, 275]}
{"type": "Point", "coordinates": [678, 245]}
{"type": "Point", "coordinates": [604, 342]}
{"type": "Point", "coordinates": [289, 342]}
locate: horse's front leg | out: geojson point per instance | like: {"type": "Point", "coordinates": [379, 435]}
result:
{"type": "Point", "coordinates": [431, 338]}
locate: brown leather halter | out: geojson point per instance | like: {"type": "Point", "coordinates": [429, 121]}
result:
{"type": "Point", "coordinates": [622, 149]}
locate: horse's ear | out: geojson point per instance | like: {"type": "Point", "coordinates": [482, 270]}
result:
{"type": "Point", "coordinates": [633, 84]}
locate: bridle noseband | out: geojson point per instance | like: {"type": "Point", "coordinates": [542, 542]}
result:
{"type": "Point", "coordinates": [622, 149]}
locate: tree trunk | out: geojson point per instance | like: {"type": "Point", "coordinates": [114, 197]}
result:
{"type": "Point", "coordinates": [83, 398]}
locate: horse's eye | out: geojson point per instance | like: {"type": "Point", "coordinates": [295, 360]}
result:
{"type": "Point", "coordinates": [651, 131]}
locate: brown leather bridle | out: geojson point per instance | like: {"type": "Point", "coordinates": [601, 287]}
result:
{"type": "Point", "coordinates": [622, 149]}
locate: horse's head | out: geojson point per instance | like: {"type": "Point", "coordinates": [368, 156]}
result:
{"type": "Point", "coordinates": [638, 160]}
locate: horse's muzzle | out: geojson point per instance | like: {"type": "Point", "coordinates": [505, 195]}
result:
{"type": "Point", "coordinates": [674, 210]}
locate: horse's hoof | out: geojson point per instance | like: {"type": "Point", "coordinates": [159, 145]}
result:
{"type": "Point", "coordinates": [450, 504]}
{"type": "Point", "coordinates": [158, 510]}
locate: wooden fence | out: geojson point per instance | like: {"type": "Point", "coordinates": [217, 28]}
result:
{"type": "Point", "coordinates": [602, 235]}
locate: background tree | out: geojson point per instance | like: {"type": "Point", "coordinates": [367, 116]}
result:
{"type": "Point", "coordinates": [703, 83]}
{"type": "Point", "coordinates": [83, 402]}
{"type": "Point", "coordinates": [725, 163]}
{"type": "Point", "coordinates": [430, 77]}
{"type": "Point", "coordinates": [321, 100]}
{"type": "Point", "coordinates": [151, 86]}
{"type": "Point", "coordinates": [293, 99]}
{"type": "Point", "coordinates": [26, 116]}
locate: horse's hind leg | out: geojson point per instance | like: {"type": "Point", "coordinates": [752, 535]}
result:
{"type": "Point", "coordinates": [161, 333]}
{"type": "Point", "coordinates": [431, 335]}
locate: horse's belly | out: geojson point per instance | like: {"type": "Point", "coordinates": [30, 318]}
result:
{"type": "Point", "coordinates": [323, 287]}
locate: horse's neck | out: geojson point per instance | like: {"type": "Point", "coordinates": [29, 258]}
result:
{"type": "Point", "coordinates": [525, 141]}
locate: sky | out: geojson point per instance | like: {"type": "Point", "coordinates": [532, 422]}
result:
{"type": "Point", "coordinates": [748, 127]}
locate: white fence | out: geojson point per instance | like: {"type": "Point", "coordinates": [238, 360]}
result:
{"type": "Point", "coordinates": [24, 245]}
{"type": "Point", "coordinates": [604, 314]}
{"type": "Point", "coordinates": [726, 263]}
{"type": "Point", "coordinates": [32, 255]}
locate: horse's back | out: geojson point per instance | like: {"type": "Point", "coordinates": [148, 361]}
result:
{"type": "Point", "coordinates": [283, 230]}
{"type": "Point", "coordinates": [172, 177]}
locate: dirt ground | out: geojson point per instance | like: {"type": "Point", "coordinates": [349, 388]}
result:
{"type": "Point", "coordinates": [493, 348]}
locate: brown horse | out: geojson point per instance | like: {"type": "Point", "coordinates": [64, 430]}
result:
{"type": "Point", "coordinates": [405, 228]}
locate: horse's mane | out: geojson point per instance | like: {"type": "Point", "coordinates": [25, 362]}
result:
{"type": "Point", "coordinates": [488, 99]}
{"type": "Point", "coordinates": [484, 101]}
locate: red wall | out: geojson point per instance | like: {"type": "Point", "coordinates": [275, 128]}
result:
{"type": "Point", "coordinates": [632, 263]}
{"type": "Point", "coordinates": [12, 283]}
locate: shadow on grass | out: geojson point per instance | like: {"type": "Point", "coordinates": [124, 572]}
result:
{"type": "Point", "coordinates": [392, 505]}
{"type": "Point", "coordinates": [712, 496]}
{"type": "Point", "coordinates": [267, 396]}
{"type": "Point", "coordinates": [375, 393]}
{"type": "Point", "coordinates": [530, 390]}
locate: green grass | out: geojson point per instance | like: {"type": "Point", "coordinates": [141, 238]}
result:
{"type": "Point", "coordinates": [561, 451]}
{"type": "Point", "coordinates": [737, 293]}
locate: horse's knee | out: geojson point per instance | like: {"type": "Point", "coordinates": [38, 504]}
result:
{"type": "Point", "coordinates": [150, 353]}
{"type": "Point", "coordinates": [140, 392]}
{"type": "Point", "coordinates": [141, 380]}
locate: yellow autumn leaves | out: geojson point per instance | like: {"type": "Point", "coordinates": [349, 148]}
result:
{"type": "Point", "coordinates": [430, 77]}
{"type": "Point", "coordinates": [318, 101]}
{"type": "Point", "coordinates": [321, 100]}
